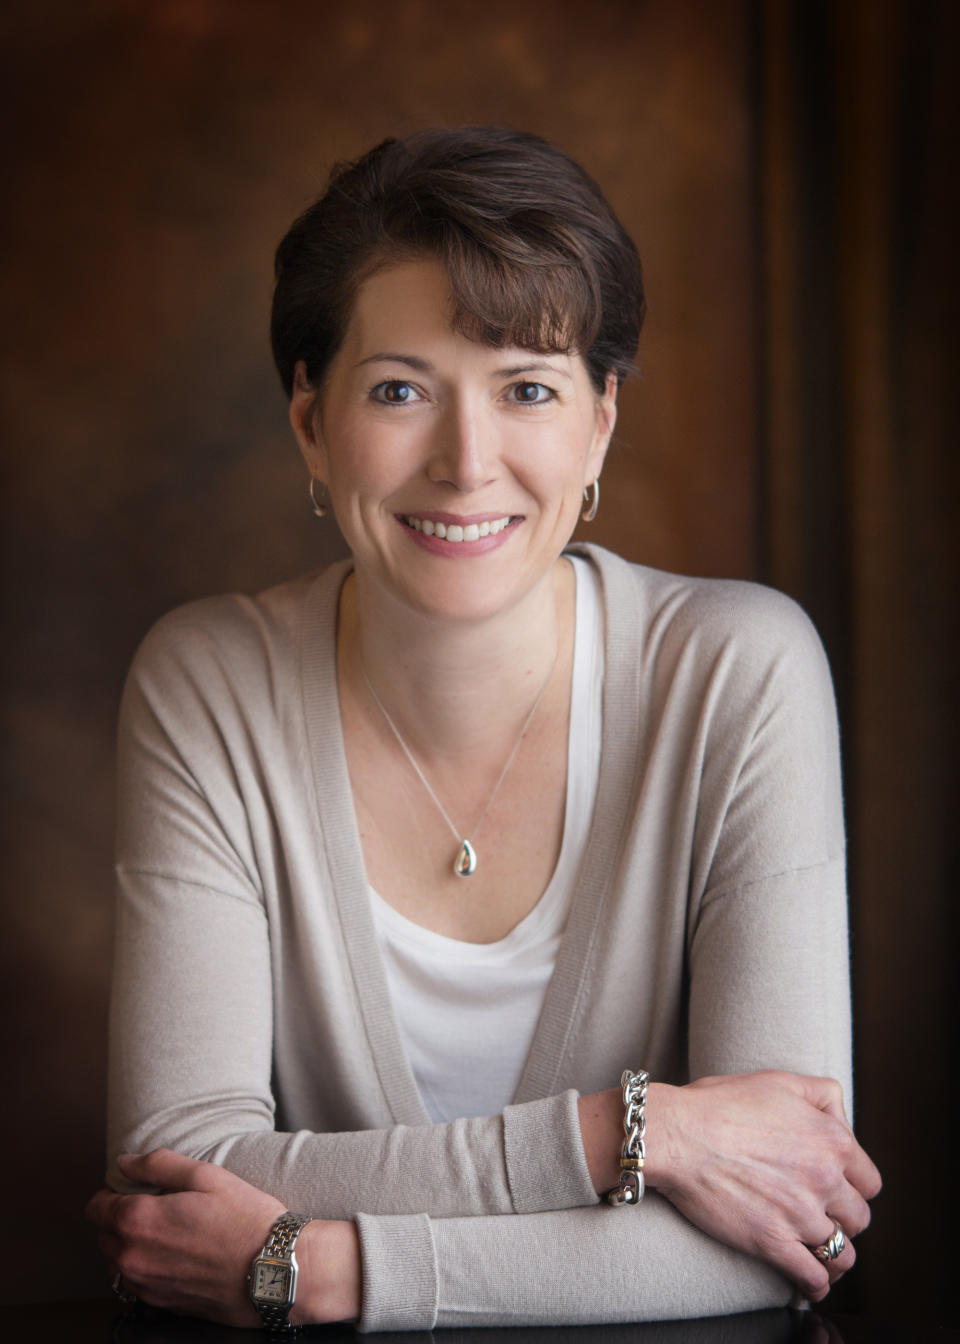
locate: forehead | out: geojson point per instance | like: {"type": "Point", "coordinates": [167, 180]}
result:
{"type": "Point", "coordinates": [407, 308]}
{"type": "Point", "coordinates": [403, 297]}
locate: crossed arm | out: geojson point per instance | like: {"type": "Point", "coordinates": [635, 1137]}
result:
{"type": "Point", "coordinates": [760, 1163]}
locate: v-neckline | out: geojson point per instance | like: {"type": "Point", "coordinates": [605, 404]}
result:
{"type": "Point", "coordinates": [338, 835]}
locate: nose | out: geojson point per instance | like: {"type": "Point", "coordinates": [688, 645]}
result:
{"type": "Point", "coordinates": [463, 454]}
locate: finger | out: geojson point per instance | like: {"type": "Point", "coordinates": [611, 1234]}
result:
{"type": "Point", "coordinates": [850, 1210]}
{"type": "Point", "coordinates": [838, 1265]}
{"type": "Point", "coordinates": [827, 1095]}
{"type": "Point", "coordinates": [861, 1172]}
{"type": "Point", "coordinates": [843, 1263]}
{"type": "Point", "coordinates": [162, 1168]}
{"type": "Point", "coordinates": [101, 1210]}
{"type": "Point", "coordinates": [804, 1269]}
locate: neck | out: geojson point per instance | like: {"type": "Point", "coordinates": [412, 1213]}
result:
{"type": "Point", "coordinates": [455, 687]}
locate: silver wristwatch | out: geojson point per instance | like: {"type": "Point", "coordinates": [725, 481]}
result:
{"type": "Point", "coordinates": [273, 1274]}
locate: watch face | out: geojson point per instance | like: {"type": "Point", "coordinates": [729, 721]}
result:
{"type": "Point", "coordinates": [271, 1281]}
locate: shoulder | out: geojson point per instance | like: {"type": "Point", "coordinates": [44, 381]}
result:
{"type": "Point", "coordinates": [235, 632]}
{"type": "Point", "coordinates": [229, 658]}
{"type": "Point", "coordinates": [671, 617]}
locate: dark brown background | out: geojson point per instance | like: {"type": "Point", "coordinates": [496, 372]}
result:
{"type": "Point", "coordinates": [782, 166]}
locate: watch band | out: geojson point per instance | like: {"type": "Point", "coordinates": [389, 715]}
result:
{"type": "Point", "coordinates": [279, 1246]}
{"type": "Point", "coordinates": [284, 1233]}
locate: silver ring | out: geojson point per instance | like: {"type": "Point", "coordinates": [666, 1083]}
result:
{"type": "Point", "coordinates": [829, 1250]}
{"type": "Point", "coordinates": [124, 1294]}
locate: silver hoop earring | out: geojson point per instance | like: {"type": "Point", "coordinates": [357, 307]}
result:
{"type": "Point", "coordinates": [591, 501]}
{"type": "Point", "coordinates": [321, 506]}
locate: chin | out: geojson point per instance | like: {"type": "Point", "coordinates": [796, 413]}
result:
{"type": "Point", "coordinates": [469, 599]}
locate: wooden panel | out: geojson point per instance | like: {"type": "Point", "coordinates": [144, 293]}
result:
{"type": "Point", "coordinates": [860, 227]}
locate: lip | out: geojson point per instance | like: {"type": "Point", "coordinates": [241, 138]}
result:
{"type": "Point", "coordinates": [457, 519]}
{"type": "Point", "coordinates": [458, 549]}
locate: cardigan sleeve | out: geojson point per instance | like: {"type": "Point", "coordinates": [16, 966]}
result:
{"type": "Point", "coordinates": [191, 1069]}
{"type": "Point", "coordinates": [195, 982]}
{"type": "Point", "coordinates": [570, 1267]}
{"type": "Point", "coordinates": [768, 937]}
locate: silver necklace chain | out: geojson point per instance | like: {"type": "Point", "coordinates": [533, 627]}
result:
{"type": "Point", "coordinates": [465, 864]}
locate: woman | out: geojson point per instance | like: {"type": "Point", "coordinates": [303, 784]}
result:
{"type": "Point", "coordinates": [418, 854]}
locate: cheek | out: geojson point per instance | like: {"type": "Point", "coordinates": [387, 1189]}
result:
{"type": "Point", "coordinates": [555, 460]}
{"type": "Point", "coordinates": [366, 464]}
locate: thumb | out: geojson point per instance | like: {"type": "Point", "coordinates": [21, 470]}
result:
{"type": "Point", "coordinates": [827, 1095]}
{"type": "Point", "coordinates": [163, 1169]}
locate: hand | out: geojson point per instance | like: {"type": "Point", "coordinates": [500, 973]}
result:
{"type": "Point", "coordinates": [764, 1162]}
{"type": "Point", "coordinates": [189, 1248]}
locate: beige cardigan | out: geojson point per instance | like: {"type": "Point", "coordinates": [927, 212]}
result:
{"type": "Point", "coordinates": [251, 1020]}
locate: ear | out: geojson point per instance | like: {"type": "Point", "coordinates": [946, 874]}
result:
{"type": "Point", "coordinates": [606, 420]}
{"type": "Point", "coordinates": [305, 422]}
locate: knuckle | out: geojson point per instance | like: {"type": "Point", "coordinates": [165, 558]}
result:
{"type": "Point", "coordinates": [132, 1217]}
{"type": "Point", "coordinates": [843, 1139]}
{"type": "Point", "coordinates": [129, 1264]}
{"type": "Point", "coordinates": [767, 1238]}
{"type": "Point", "coordinates": [824, 1173]}
{"type": "Point", "coordinates": [837, 1136]}
{"type": "Point", "coordinates": [152, 1160]}
{"type": "Point", "coordinates": [834, 1089]}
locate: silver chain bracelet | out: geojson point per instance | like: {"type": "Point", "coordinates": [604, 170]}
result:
{"type": "Point", "coordinates": [634, 1150]}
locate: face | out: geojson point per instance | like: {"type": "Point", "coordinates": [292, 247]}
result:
{"type": "Point", "coordinates": [456, 470]}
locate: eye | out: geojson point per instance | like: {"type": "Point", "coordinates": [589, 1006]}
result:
{"type": "Point", "coordinates": [395, 392]}
{"type": "Point", "coordinates": [531, 394]}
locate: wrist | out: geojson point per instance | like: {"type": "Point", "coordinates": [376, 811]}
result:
{"type": "Point", "coordinates": [329, 1286]}
{"type": "Point", "coordinates": [601, 1129]}
{"type": "Point", "coordinates": [661, 1100]}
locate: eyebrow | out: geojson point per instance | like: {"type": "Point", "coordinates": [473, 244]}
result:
{"type": "Point", "coordinates": [424, 366]}
{"type": "Point", "coordinates": [389, 357]}
{"type": "Point", "coordinates": [532, 367]}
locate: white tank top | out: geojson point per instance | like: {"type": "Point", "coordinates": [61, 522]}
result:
{"type": "Point", "coordinates": [467, 1011]}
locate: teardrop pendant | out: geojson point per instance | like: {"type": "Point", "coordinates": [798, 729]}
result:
{"type": "Point", "coordinates": [466, 861]}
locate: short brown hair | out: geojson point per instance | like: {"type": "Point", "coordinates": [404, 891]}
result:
{"type": "Point", "coordinates": [535, 256]}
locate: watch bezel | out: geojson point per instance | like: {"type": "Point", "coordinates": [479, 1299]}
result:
{"type": "Point", "coordinates": [288, 1263]}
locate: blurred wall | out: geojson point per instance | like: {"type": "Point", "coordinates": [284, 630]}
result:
{"type": "Point", "coordinates": [159, 150]}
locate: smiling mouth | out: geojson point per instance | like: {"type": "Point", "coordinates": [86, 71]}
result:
{"type": "Point", "coordinates": [455, 532]}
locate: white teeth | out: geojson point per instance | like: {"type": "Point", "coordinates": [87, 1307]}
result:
{"type": "Point", "coordinates": [455, 532]}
